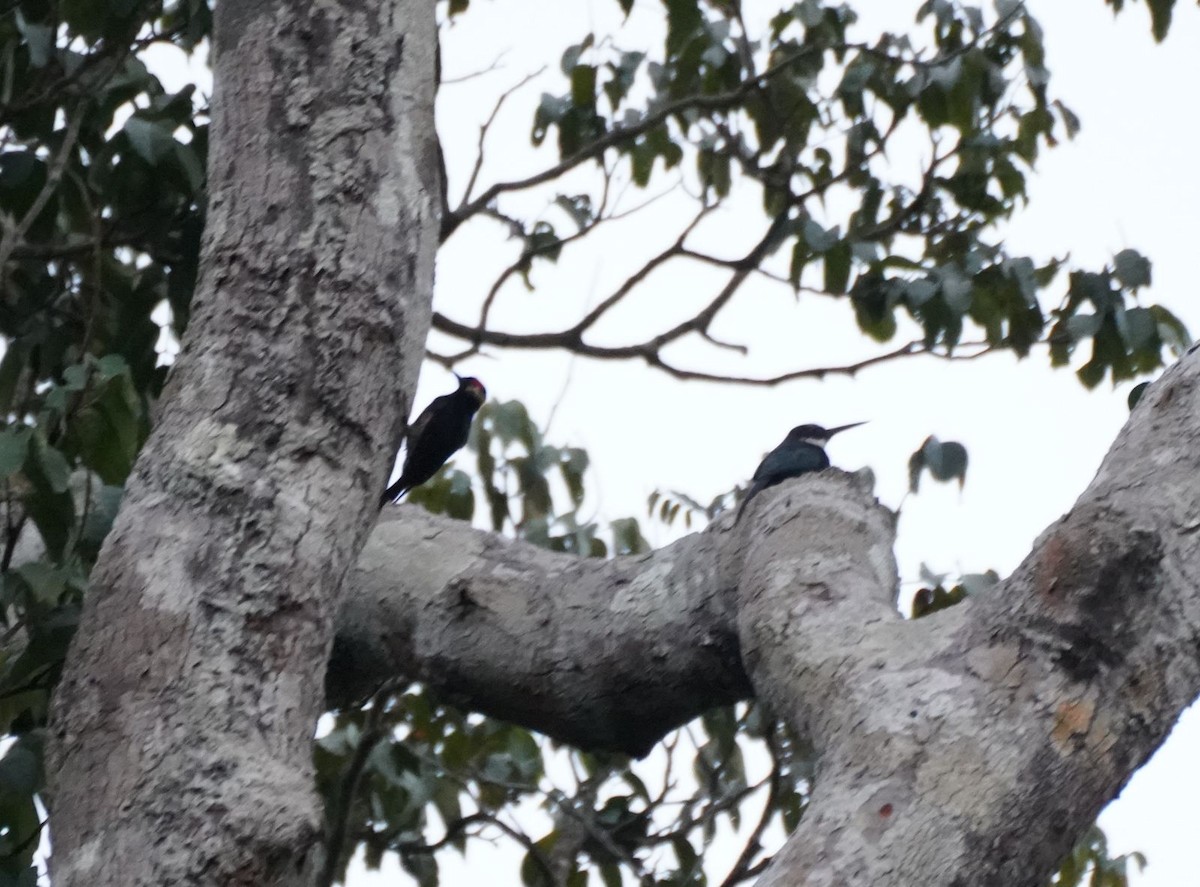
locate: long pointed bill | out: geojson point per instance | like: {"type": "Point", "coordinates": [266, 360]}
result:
{"type": "Point", "coordinates": [832, 431]}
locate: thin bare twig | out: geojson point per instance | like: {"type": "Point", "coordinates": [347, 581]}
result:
{"type": "Point", "coordinates": [524, 260]}
{"type": "Point", "coordinates": [589, 319]}
{"type": "Point", "coordinates": [617, 135]}
{"type": "Point", "coordinates": [487, 125]}
{"type": "Point", "coordinates": [472, 75]}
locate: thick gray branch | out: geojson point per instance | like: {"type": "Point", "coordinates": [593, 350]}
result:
{"type": "Point", "coordinates": [602, 654]}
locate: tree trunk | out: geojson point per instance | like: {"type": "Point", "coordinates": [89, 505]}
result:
{"type": "Point", "coordinates": [182, 729]}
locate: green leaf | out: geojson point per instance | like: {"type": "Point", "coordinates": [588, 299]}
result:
{"type": "Point", "coordinates": [979, 583]}
{"type": "Point", "coordinates": [570, 56]}
{"type": "Point", "coordinates": [578, 207]}
{"type": "Point", "coordinates": [583, 85]}
{"type": "Point", "coordinates": [1160, 17]}
{"type": "Point", "coordinates": [1138, 328]}
{"type": "Point", "coordinates": [98, 521]}
{"type": "Point", "coordinates": [52, 466]}
{"type": "Point", "coordinates": [949, 463]}
{"type": "Point", "coordinates": [1070, 119]}
{"type": "Point", "coordinates": [683, 22]}
{"type": "Point", "coordinates": [532, 873]}
{"type": "Point", "coordinates": [108, 428]}
{"type": "Point", "coordinates": [873, 298]}
{"type": "Point", "coordinates": [627, 537]}
{"type": "Point", "coordinates": [111, 365]}
{"type": "Point", "coordinates": [574, 462]}
{"type": "Point", "coordinates": [956, 289]}
{"type": "Point", "coordinates": [1132, 268]}
{"type": "Point", "coordinates": [837, 268]}
{"type": "Point", "coordinates": [49, 504]}
{"type": "Point", "coordinates": [511, 423]}
{"type": "Point", "coordinates": [1171, 330]}
{"type": "Point", "coordinates": [45, 581]}
{"type": "Point", "coordinates": [11, 367]}
{"type": "Point", "coordinates": [22, 175]}
{"type": "Point", "coordinates": [151, 140]}
{"type": "Point", "coordinates": [14, 449]}
{"type": "Point", "coordinates": [39, 39]}
{"type": "Point", "coordinates": [931, 600]}
{"type": "Point", "coordinates": [944, 460]}
{"type": "Point", "coordinates": [42, 658]}
{"type": "Point", "coordinates": [818, 239]}
{"type": "Point", "coordinates": [1091, 373]}
{"type": "Point", "coordinates": [1083, 326]}
{"type": "Point", "coordinates": [21, 772]}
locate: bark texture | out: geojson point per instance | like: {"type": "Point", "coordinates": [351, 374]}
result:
{"type": "Point", "coordinates": [601, 654]}
{"type": "Point", "coordinates": [967, 748]}
{"type": "Point", "coordinates": [181, 742]}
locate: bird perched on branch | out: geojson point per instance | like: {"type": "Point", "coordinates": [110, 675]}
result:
{"type": "Point", "coordinates": [802, 451]}
{"type": "Point", "coordinates": [439, 432]}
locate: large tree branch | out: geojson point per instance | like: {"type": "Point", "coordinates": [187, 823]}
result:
{"type": "Point", "coordinates": [602, 654]}
{"type": "Point", "coordinates": [972, 746]}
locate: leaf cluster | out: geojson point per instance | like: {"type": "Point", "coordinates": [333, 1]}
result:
{"type": "Point", "coordinates": [822, 125]}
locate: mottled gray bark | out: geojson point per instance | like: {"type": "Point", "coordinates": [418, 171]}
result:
{"type": "Point", "coordinates": [181, 743]}
{"type": "Point", "coordinates": [969, 747]}
{"type": "Point", "coordinates": [601, 654]}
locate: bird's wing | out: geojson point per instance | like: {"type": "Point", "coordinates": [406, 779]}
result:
{"type": "Point", "coordinates": [417, 428]}
{"type": "Point", "coordinates": [401, 486]}
{"type": "Point", "coordinates": [783, 462]}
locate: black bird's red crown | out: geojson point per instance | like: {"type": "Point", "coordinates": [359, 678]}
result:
{"type": "Point", "coordinates": [474, 386]}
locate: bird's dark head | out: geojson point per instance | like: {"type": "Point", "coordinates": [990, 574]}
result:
{"type": "Point", "coordinates": [817, 434]}
{"type": "Point", "coordinates": [473, 387]}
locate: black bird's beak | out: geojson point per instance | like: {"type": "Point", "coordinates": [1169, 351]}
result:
{"type": "Point", "coordinates": [832, 431]}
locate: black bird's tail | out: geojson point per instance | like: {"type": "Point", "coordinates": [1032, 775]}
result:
{"type": "Point", "coordinates": [394, 493]}
{"type": "Point", "coordinates": [755, 488]}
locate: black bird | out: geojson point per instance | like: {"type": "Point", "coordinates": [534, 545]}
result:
{"type": "Point", "coordinates": [802, 451]}
{"type": "Point", "coordinates": [439, 432]}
